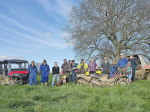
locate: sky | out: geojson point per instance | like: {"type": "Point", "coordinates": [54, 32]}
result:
{"type": "Point", "coordinates": [32, 30]}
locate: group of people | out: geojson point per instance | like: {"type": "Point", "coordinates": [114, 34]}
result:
{"type": "Point", "coordinates": [68, 70]}
{"type": "Point", "coordinates": [125, 67]}
{"type": "Point", "coordinates": [44, 71]}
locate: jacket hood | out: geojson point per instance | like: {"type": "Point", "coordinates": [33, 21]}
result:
{"type": "Point", "coordinates": [32, 66]}
{"type": "Point", "coordinates": [43, 63]}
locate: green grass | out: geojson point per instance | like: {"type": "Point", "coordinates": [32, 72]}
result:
{"type": "Point", "coordinates": [75, 98]}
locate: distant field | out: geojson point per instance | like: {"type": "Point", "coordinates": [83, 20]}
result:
{"type": "Point", "coordinates": [75, 98]}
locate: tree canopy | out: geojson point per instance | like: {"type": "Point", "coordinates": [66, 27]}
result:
{"type": "Point", "coordinates": [99, 28]}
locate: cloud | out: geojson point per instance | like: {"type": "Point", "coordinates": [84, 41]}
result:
{"type": "Point", "coordinates": [20, 25]}
{"type": "Point", "coordinates": [20, 50]}
{"type": "Point", "coordinates": [47, 34]}
{"type": "Point", "coordinates": [5, 57]}
{"type": "Point", "coordinates": [65, 7]}
{"type": "Point", "coordinates": [46, 4]}
{"type": "Point", "coordinates": [64, 34]}
{"type": "Point", "coordinates": [33, 18]}
{"type": "Point", "coordinates": [52, 42]}
{"type": "Point", "coordinates": [58, 20]}
{"type": "Point", "coordinates": [8, 41]}
{"type": "Point", "coordinates": [70, 43]}
{"type": "Point", "coordinates": [60, 6]}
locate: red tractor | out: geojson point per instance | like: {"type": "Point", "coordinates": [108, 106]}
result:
{"type": "Point", "coordinates": [14, 71]}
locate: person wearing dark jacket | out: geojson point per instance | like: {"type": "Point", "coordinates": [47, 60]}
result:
{"type": "Point", "coordinates": [134, 65]}
{"type": "Point", "coordinates": [69, 66]}
{"type": "Point", "coordinates": [55, 72]}
{"type": "Point", "coordinates": [44, 69]}
{"type": "Point", "coordinates": [65, 69]}
{"type": "Point", "coordinates": [105, 66]}
{"type": "Point", "coordinates": [32, 70]}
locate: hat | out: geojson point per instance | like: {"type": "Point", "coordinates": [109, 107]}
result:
{"type": "Point", "coordinates": [73, 60]}
{"type": "Point", "coordinates": [44, 60]}
{"type": "Point", "coordinates": [32, 61]}
{"type": "Point", "coordinates": [82, 59]}
{"type": "Point", "coordinates": [121, 54]}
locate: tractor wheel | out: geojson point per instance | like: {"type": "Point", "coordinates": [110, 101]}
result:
{"type": "Point", "coordinates": [12, 82]}
{"type": "Point", "coordinates": [20, 82]}
{"type": "Point", "coordinates": [28, 80]}
{"type": "Point", "coordinates": [2, 82]}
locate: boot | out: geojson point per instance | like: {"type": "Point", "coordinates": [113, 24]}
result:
{"type": "Point", "coordinates": [67, 80]}
{"type": "Point", "coordinates": [73, 82]}
{"type": "Point", "coordinates": [46, 84]}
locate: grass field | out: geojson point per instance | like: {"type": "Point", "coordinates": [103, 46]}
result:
{"type": "Point", "coordinates": [75, 98]}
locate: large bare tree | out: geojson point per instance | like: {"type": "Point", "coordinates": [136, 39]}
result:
{"type": "Point", "coordinates": [99, 28]}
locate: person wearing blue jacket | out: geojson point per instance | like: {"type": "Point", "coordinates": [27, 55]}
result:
{"type": "Point", "coordinates": [122, 64]}
{"type": "Point", "coordinates": [113, 68]}
{"type": "Point", "coordinates": [44, 69]}
{"type": "Point", "coordinates": [32, 70]}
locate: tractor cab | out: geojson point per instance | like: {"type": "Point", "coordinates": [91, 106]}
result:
{"type": "Point", "coordinates": [143, 66]}
{"type": "Point", "coordinates": [11, 66]}
{"type": "Point", "coordinates": [15, 71]}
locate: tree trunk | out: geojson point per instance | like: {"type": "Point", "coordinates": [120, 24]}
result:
{"type": "Point", "coordinates": [117, 56]}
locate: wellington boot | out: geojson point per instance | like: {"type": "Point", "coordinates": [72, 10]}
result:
{"type": "Point", "coordinates": [73, 82]}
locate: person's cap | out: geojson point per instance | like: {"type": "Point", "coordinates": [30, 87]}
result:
{"type": "Point", "coordinates": [105, 58]}
{"type": "Point", "coordinates": [73, 60]}
{"type": "Point", "coordinates": [121, 54]}
{"type": "Point", "coordinates": [82, 59]}
{"type": "Point", "coordinates": [65, 60]}
{"type": "Point", "coordinates": [32, 61]}
{"type": "Point", "coordinates": [44, 60]}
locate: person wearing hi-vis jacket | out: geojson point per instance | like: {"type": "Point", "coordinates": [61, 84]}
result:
{"type": "Point", "coordinates": [44, 69]}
